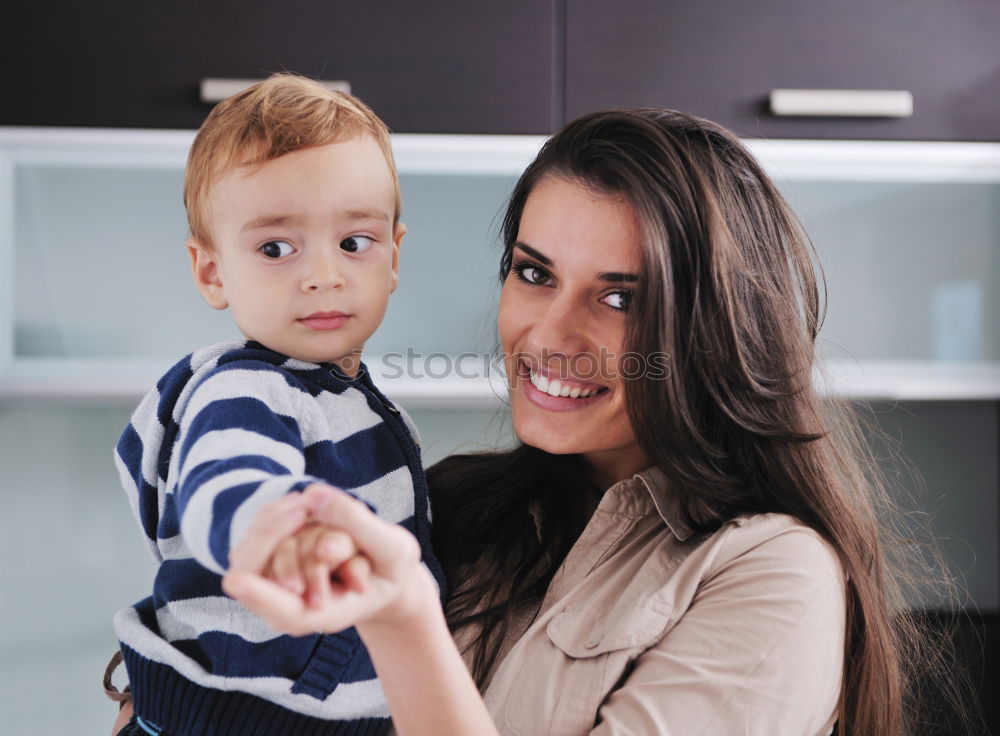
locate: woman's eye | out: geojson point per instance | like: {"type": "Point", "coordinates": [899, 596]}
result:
{"type": "Point", "coordinates": [276, 248]}
{"type": "Point", "coordinates": [530, 273]}
{"type": "Point", "coordinates": [356, 243]}
{"type": "Point", "coordinates": [619, 300]}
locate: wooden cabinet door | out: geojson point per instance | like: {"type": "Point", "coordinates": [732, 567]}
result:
{"type": "Point", "coordinates": [440, 66]}
{"type": "Point", "coordinates": [721, 58]}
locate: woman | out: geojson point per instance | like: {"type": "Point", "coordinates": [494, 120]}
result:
{"type": "Point", "coordinates": [683, 542]}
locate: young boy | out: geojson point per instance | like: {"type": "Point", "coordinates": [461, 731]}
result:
{"type": "Point", "coordinates": [293, 204]}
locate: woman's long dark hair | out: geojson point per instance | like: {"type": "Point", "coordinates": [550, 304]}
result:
{"type": "Point", "coordinates": [727, 289]}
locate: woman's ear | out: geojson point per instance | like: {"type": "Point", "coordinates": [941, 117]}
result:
{"type": "Point", "coordinates": [397, 242]}
{"type": "Point", "coordinates": [205, 270]}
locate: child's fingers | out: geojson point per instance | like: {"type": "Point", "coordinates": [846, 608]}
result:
{"type": "Point", "coordinates": [334, 548]}
{"type": "Point", "coordinates": [318, 583]}
{"type": "Point", "coordinates": [273, 523]}
{"type": "Point", "coordinates": [322, 550]}
{"type": "Point", "coordinates": [389, 547]}
{"type": "Point", "coordinates": [285, 566]}
{"type": "Point", "coordinates": [355, 574]}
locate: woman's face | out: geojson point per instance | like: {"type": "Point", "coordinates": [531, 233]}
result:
{"type": "Point", "coordinates": [562, 325]}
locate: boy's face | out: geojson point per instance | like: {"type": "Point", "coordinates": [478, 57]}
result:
{"type": "Point", "coordinates": [304, 250]}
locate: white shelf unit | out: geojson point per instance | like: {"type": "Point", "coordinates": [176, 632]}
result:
{"type": "Point", "coordinates": [125, 381]}
{"type": "Point", "coordinates": [445, 179]}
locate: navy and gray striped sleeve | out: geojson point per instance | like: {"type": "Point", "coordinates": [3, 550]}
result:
{"type": "Point", "coordinates": [240, 447]}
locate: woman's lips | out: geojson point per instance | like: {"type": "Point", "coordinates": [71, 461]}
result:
{"type": "Point", "coordinates": [536, 384]}
{"type": "Point", "coordinates": [557, 403]}
{"type": "Point", "coordinates": [322, 321]}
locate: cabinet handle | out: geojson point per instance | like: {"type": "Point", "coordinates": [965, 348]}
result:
{"type": "Point", "coordinates": [215, 89]}
{"type": "Point", "coordinates": [847, 103]}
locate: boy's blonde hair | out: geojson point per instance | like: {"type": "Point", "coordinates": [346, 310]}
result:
{"type": "Point", "coordinates": [282, 114]}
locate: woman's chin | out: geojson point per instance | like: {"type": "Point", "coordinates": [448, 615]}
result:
{"type": "Point", "coordinates": [546, 445]}
{"type": "Point", "coordinates": [547, 436]}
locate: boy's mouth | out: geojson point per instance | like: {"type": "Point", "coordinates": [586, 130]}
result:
{"type": "Point", "coordinates": [321, 321]}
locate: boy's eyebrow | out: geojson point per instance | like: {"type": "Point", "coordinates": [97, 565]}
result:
{"type": "Point", "coordinates": [265, 221]}
{"type": "Point", "coordinates": [612, 276]}
{"type": "Point", "coordinates": [368, 215]}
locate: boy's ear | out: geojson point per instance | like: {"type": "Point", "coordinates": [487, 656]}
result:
{"type": "Point", "coordinates": [397, 242]}
{"type": "Point", "coordinates": [205, 270]}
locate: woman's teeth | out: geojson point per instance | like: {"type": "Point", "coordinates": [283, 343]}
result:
{"type": "Point", "coordinates": [555, 387]}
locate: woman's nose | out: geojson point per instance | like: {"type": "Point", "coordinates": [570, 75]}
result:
{"type": "Point", "coordinates": [560, 328]}
{"type": "Point", "coordinates": [323, 271]}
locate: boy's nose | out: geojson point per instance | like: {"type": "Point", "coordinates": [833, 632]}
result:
{"type": "Point", "coordinates": [323, 274]}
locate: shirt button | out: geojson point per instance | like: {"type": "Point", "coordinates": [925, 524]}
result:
{"type": "Point", "coordinates": [592, 643]}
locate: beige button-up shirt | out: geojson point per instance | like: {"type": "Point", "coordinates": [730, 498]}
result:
{"type": "Point", "coordinates": [649, 629]}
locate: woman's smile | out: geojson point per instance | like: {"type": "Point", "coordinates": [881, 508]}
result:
{"type": "Point", "coordinates": [553, 390]}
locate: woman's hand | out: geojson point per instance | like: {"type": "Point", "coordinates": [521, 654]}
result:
{"type": "Point", "coordinates": [385, 592]}
{"type": "Point", "coordinates": [381, 583]}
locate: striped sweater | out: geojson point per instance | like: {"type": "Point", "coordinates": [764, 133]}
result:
{"type": "Point", "coordinates": [227, 429]}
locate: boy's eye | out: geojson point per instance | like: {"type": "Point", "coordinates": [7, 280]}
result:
{"type": "Point", "coordinates": [276, 248]}
{"type": "Point", "coordinates": [356, 243]}
{"type": "Point", "coordinates": [619, 300]}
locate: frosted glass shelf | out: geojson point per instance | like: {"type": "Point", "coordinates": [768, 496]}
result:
{"type": "Point", "coordinates": [125, 381]}
{"type": "Point", "coordinates": [902, 380]}
{"type": "Point", "coordinates": [473, 155]}
{"type": "Point", "coordinates": [477, 155]}
{"type": "Point", "coordinates": [92, 233]}
{"type": "Point", "coordinates": [878, 161]}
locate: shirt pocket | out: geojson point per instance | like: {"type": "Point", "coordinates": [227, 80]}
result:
{"type": "Point", "coordinates": [586, 652]}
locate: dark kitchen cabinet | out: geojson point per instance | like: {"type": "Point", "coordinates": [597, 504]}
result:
{"type": "Point", "coordinates": [441, 66]}
{"type": "Point", "coordinates": [521, 66]}
{"type": "Point", "coordinates": [721, 58]}
{"type": "Point", "coordinates": [939, 460]}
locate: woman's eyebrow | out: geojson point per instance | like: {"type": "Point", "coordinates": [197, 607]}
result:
{"type": "Point", "coordinates": [544, 260]}
{"type": "Point", "coordinates": [614, 277]}
{"type": "Point", "coordinates": [618, 278]}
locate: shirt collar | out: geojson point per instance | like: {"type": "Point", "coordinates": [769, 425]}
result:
{"type": "Point", "coordinates": [666, 503]}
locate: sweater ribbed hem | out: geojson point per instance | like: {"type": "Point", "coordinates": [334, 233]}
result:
{"type": "Point", "coordinates": [182, 708]}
